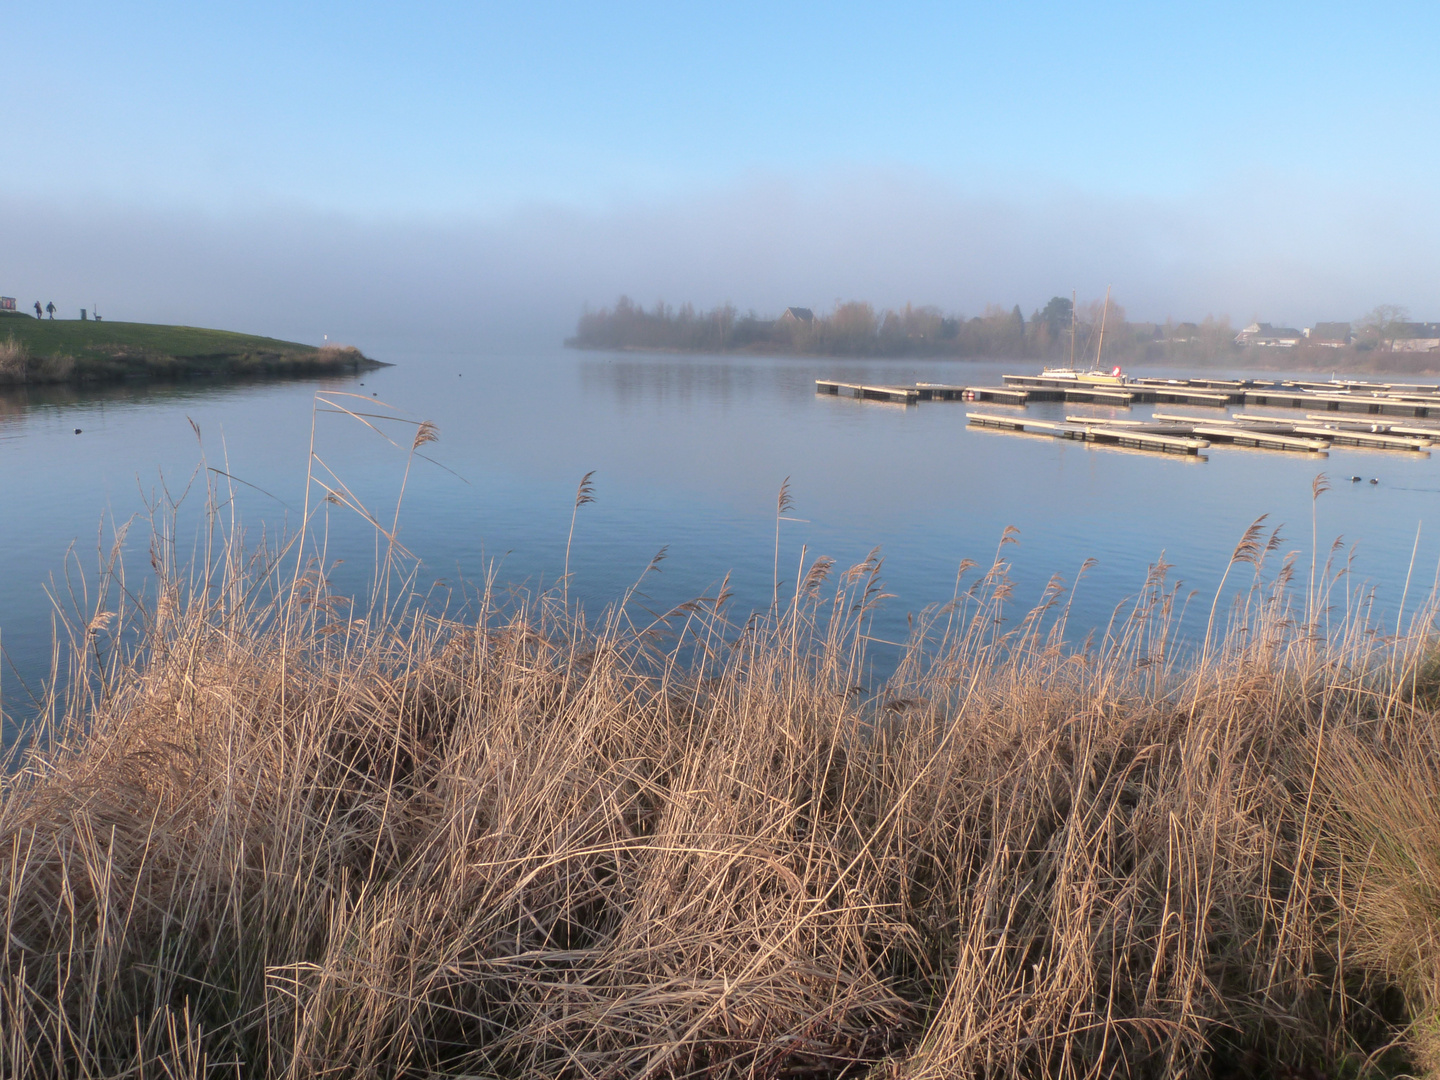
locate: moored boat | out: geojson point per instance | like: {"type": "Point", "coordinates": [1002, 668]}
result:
{"type": "Point", "coordinates": [1095, 374]}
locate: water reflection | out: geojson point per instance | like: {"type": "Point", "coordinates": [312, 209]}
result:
{"type": "Point", "coordinates": [660, 382]}
{"type": "Point", "coordinates": [17, 402]}
{"type": "Point", "coordinates": [729, 380]}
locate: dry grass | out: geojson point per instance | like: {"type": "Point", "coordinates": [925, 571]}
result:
{"type": "Point", "coordinates": [280, 840]}
{"type": "Point", "coordinates": [1384, 788]}
{"type": "Point", "coordinates": [54, 369]}
{"type": "Point", "coordinates": [13, 357]}
{"type": "Point", "coordinates": [338, 355]}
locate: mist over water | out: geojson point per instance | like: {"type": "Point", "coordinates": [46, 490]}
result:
{"type": "Point", "coordinates": [518, 278]}
{"type": "Point", "coordinates": [689, 454]}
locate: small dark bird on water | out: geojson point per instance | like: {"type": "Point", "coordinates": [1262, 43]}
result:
{"type": "Point", "coordinates": [1374, 481]}
{"type": "Point", "coordinates": [1354, 479]}
{"type": "Point", "coordinates": [77, 431]}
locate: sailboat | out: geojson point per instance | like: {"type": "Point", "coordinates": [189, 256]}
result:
{"type": "Point", "coordinates": [1096, 374]}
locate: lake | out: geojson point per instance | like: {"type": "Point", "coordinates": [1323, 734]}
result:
{"type": "Point", "coordinates": [688, 455]}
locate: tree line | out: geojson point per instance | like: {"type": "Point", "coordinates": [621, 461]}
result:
{"type": "Point", "coordinates": [856, 328]}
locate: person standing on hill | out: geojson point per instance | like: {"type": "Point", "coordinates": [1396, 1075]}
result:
{"type": "Point", "coordinates": [38, 313]}
{"type": "Point", "coordinates": [50, 307]}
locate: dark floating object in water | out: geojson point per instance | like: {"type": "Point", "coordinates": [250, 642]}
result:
{"type": "Point", "coordinates": [374, 393]}
{"type": "Point", "coordinates": [77, 431]}
{"type": "Point", "coordinates": [1354, 479]}
{"type": "Point", "coordinates": [1374, 481]}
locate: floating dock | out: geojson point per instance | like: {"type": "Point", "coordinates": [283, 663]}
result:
{"type": "Point", "coordinates": [929, 391]}
{"type": "Point", "coordinates": [1100, 432]}
{"type": "Point", "coordinates": [1346, 432]}
{"type": "Point", "coordinates": [1001, 395]}
{"type": "Point", "coordinates": [905, 395]}
{"type": "Point", "coordinates": [1288, 434]}
{"type": "Point", "coordinates": [1378, 420]}
{"type": "Point", "coordinates": [1264, 435]}
{"type": "Point", "coordinates": [1221, 431]}
{"type": "Point", "coordinates": [1424, 431]}
{"type": "Point", "coordinates": [1242, 435]}
{"type": "Point", "coordinates": [1369, 403]}
{"type": "Point", "coordinates": [1143, 391]}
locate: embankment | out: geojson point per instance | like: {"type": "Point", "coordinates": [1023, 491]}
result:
{"type": "Point", "coordinates": [36, 351]}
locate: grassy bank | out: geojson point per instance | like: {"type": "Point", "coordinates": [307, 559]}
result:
{"type": "Point", "coordinates": [59, 351]}
{"type": "Point", "coordinates": [286, 839]}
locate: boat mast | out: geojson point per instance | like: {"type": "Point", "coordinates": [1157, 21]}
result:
{"type": "Point", "coordinates": [1103, 315]}
{"type": "Point", "coordinates": [1072, 329]}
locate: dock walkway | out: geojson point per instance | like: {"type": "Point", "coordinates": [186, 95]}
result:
{"type": "Point", "coordinates": [905, 395]}
{"type": "Point", "coordinates": [1118, 434]}
{"type": "Point", "coordinates": [1371, 404]}
{"type": "Point", "coordinates": [1141, 391]}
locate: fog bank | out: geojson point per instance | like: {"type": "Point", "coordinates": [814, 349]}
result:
{"type": "Point", "coordinates": [1262, 246]}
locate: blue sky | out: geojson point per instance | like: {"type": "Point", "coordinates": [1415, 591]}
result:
{"type": "Point", "coordinates": [484, 116]}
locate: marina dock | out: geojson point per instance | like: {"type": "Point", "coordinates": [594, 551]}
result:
{"type": "Point", "coordinates": [1130, 435]}
{"type": "Point", "coordinates": [1001, 395]}
{"type": "Point", "coordinates": [1426, 431]}
{"type": "Point", "coordinates": [1383, 416]}
{"type": "Point", "coordinates": [1143, 391]}
{"type": "Point", "coordinates": [1374, 404]}
{"type": "Point", "coordinates": [905, 395]}
{"type": "Point", "coordinates": [1348, 433]}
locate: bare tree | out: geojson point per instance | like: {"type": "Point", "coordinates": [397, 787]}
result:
{"type": "Point", "coordinates": [1382, 323]}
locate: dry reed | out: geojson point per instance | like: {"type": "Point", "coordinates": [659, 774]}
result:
{"type": "Point", "coordinates": [282, 840]}
{"type": "Point", "coordinates": [13, 360]}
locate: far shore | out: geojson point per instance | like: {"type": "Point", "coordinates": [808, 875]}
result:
{"type": "Point", "coordinates": [1383, 342]}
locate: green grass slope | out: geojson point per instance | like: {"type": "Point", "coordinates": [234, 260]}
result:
{"type": "Point", "coordinates": [65, 350]}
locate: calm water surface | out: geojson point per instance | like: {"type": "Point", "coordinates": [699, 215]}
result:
{"type": "Point", "coordinates": [688, 454]}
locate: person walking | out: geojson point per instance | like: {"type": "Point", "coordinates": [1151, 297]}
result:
{"type": "Point", "coordinates": [38, 313]}
{"type": "Point", "coordinates": [50, 307]}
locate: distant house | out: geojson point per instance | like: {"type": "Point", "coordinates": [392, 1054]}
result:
{"type": "Point", "coordinates": [1265, 335]}
{"type": "Point", "coordinates": [1415, 345]}
{"type": "Point", "coordinates": [7, 303]}
{"type": "Point", "coordinates": [798, 315]}
{"type": "Point", "coordinates": [1413, 337]}
{"type": "Point", "coordinates": [1332, 335]}
{"type": "Point", "coordinates": [1403, 330]}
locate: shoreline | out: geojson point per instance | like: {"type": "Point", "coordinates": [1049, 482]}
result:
{"type": "Point", "coordinates": [49, 352]}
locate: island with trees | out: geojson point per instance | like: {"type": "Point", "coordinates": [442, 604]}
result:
{"type": "Point", "coordinates": [40, 351]}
